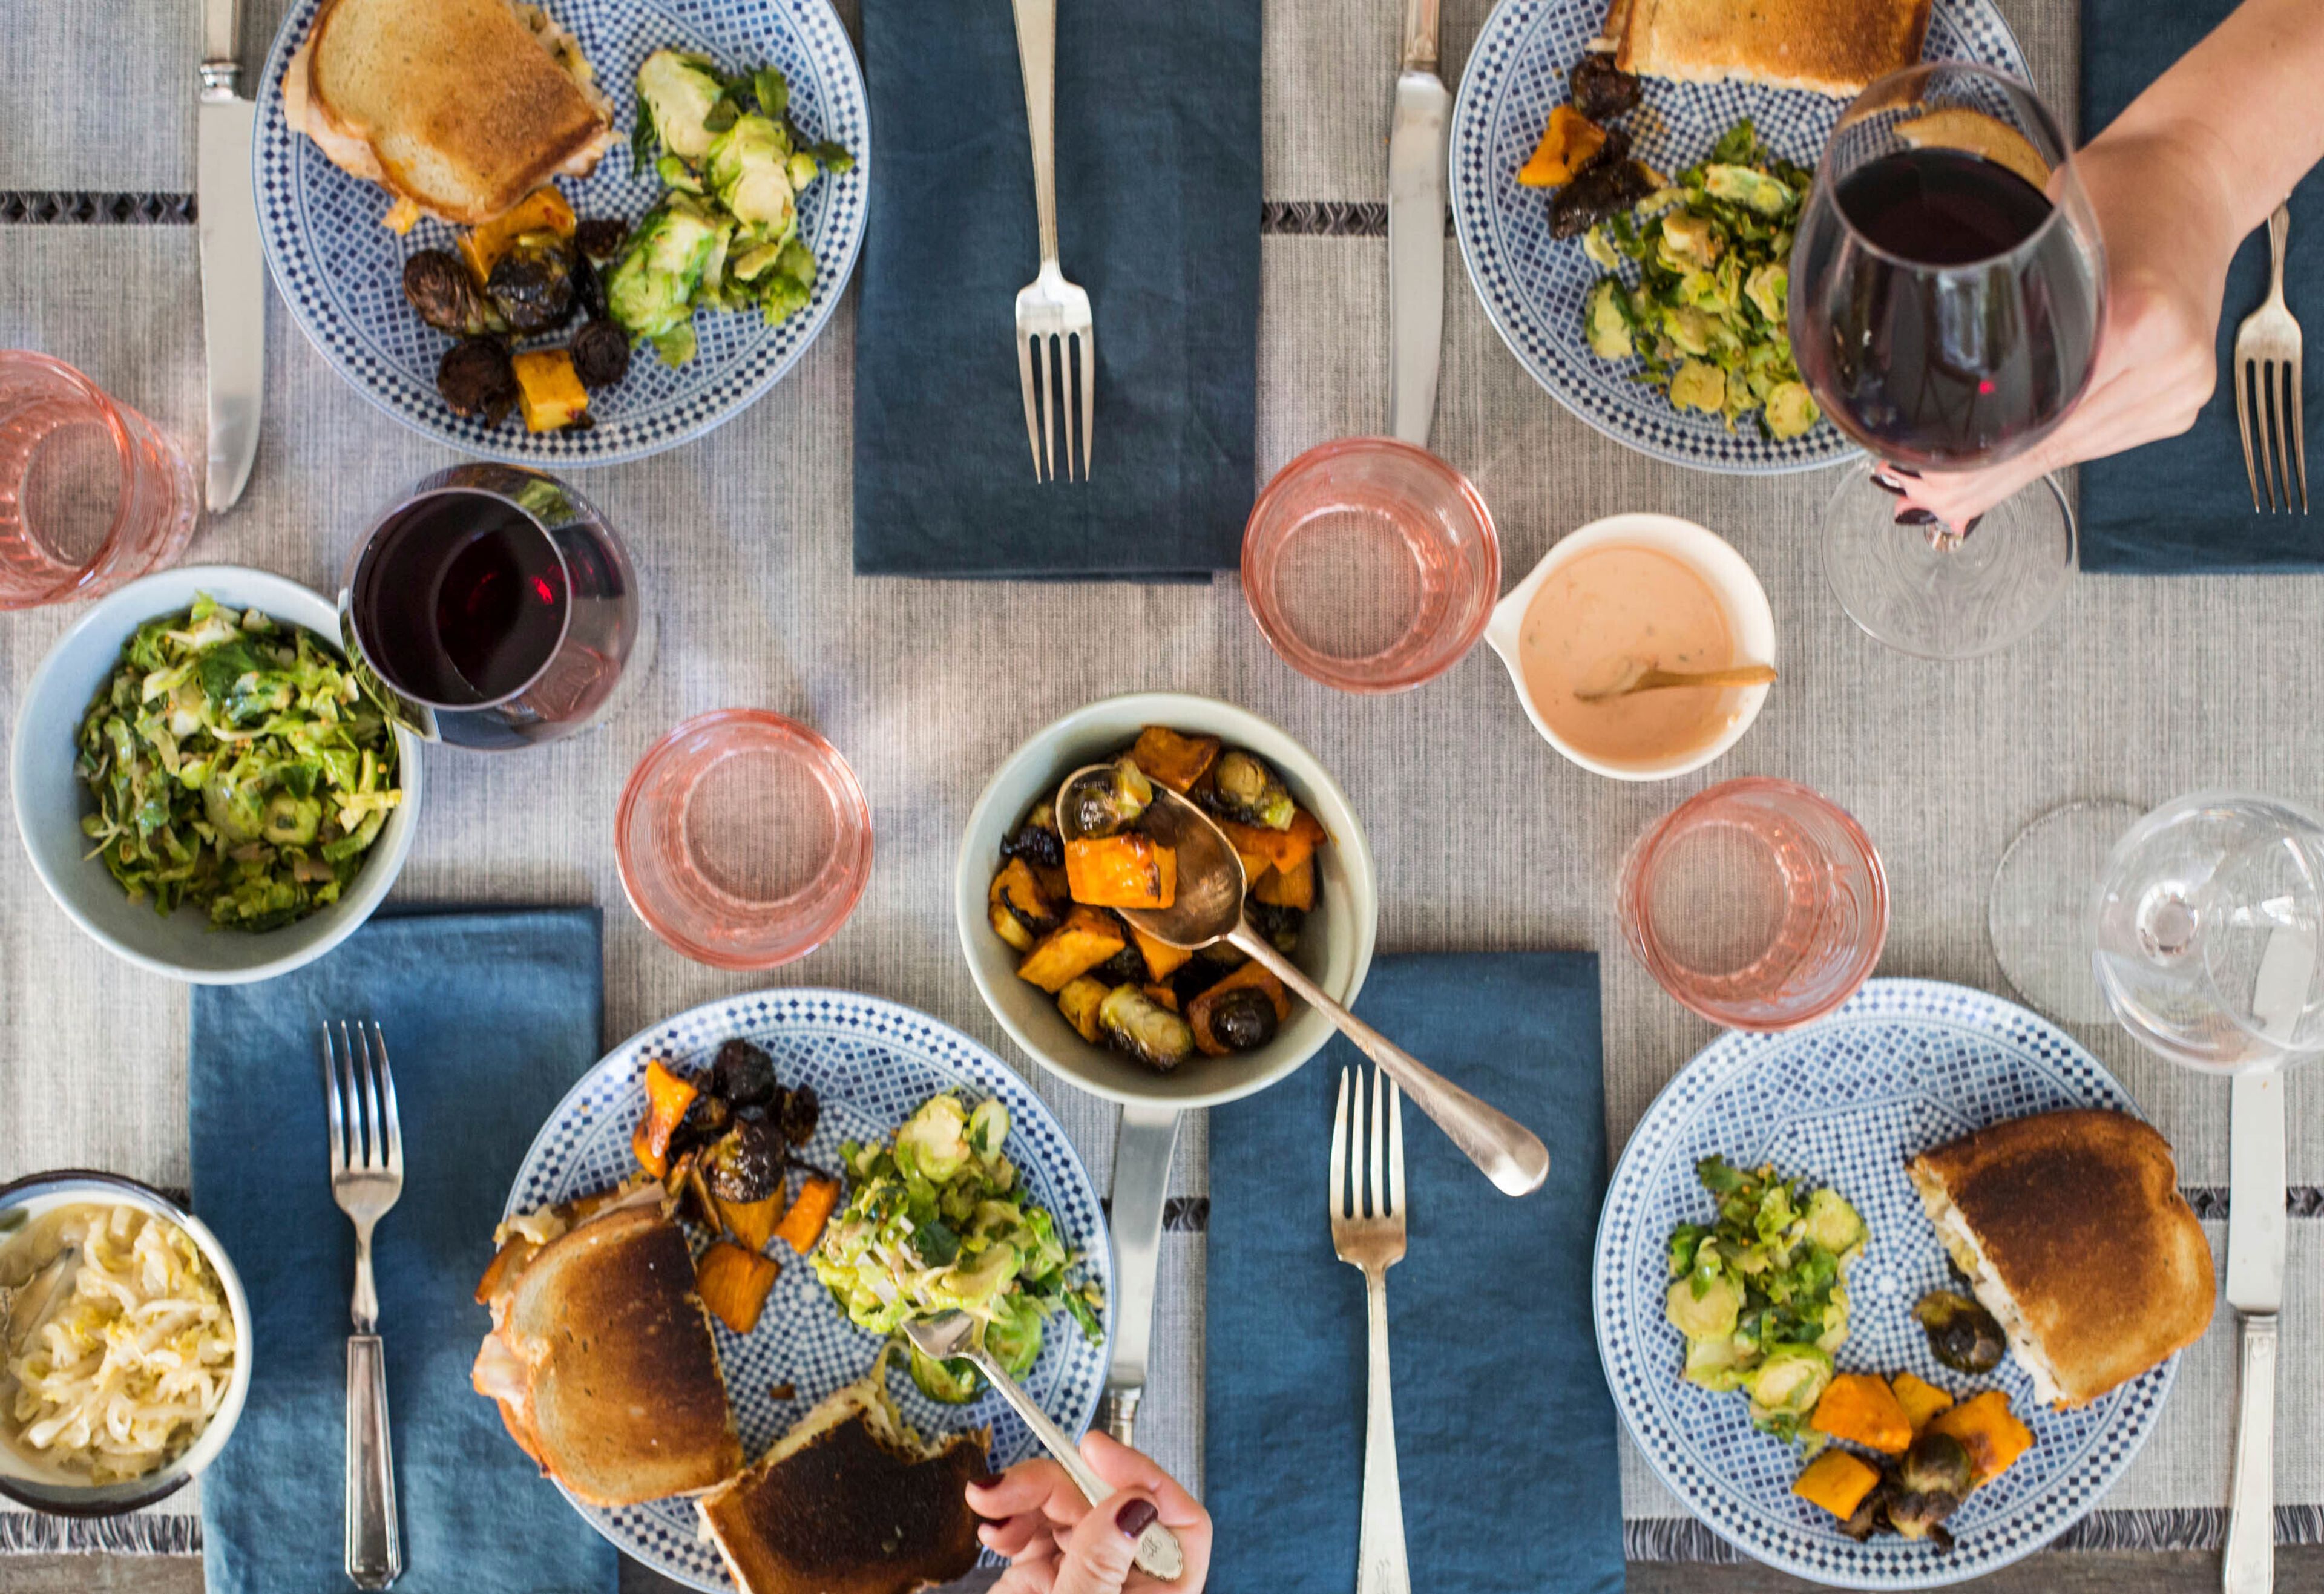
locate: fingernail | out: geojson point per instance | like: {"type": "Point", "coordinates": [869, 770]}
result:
{"type": "Point", "coordinates": [1898, 470]}
{"type": "Point", "coordinates": [988, 1481]}
{"type": "Point", "coordinates": [1973, 525]}
{"type": "Point", "coordinates": [1135, 1517]}
{"type": "Point", "coordinates": [1887, 483]}
{"type": "Point", "coordinates": [1914, 515]}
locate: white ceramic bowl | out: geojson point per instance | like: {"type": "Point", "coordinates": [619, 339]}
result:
{"type": "Point", "coordinates": [1335, 945]}
{"type": "Point", "coordinates": [1709, 556]}
{"type": "Point", "coordinates": [40, 1192]}
{"type": "Point", "coordinates": [50, 800]}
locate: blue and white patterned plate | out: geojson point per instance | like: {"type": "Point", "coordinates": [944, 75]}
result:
{"type": "Point", "coordinates": [871, 1063]}
{"type": "Point", "coordinates": [1533, 285]}
{"type": "Point", "coordinates": [1905, 1065]}
{"type": "Point", "coordinates": [342, 272]}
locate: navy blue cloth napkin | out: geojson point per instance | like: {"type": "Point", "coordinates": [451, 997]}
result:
{"type": "Point", "coordinates": [489, 1017]}
{"type": "Point", "coordinates": [1505, 1431]}
{"type": "Point", "coordinates": [1158, 197]}
{"type": "Point", "coordinates": [2183, 505]}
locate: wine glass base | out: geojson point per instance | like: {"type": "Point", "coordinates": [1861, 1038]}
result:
{"type": "Point", "coordinates": [2037, 911]}
{"type": "Point", "coordinates": [1954, 599]}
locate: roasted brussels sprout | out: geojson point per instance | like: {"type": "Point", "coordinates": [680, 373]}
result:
{"type": "Point", "coordinates": [531, 285]}
{"type": "Point", "coordinates": [1610, 182]}
{"type": "Point", "coordinates": [743, 1074]}
{"type": "Point", "coordinates": [1602, 90]}
{"type": "Point", "coordinates": [1963, 1334]}
{"type": "Point", "coordinates": [1145, 1028]}
{"type": "Point", "coordinates": [745, 1164]}
{"type": "Point", "coordinates": [1246, 791]}
{"type": "Point", "coordinates": [1036, 841]}
{"type": "Point", "coordinates": [798, 1114]}
{"type": "Point", "coordinates": [1870, 1515]}
{"type": "Point", "coordinates": [601, 354]}
{"type": "Point", "coordinates": [440, 288]}
{"type": "Point", "coordinates": [601, 238]}
{"type": "Point", "coordinates": [1279, 925]}
{"type": "Point", "coordinates": [1108, 801]}
{"type": "Point", "coordinates": [706, 1118]}
{"type": "Point", "coordinates": [476, 377]}
{"type": "Point", "coordinates": [1243, 1018]}
{"type": "Point", "coordinates": [588, 288]}
{"type": "Point", "coordinates": [1930, 1482]}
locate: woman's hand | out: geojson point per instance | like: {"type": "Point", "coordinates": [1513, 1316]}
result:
{"type": "Point", "coordinates": [1057, 1543]}
{"type": "Point", "coordinates": [2170, 235]}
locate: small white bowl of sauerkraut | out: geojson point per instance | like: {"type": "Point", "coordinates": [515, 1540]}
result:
{"type": "Point", "coordinates": [123, 1372]}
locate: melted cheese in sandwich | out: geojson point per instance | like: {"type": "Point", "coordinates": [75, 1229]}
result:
{"type": "Point", "coordinates": [1961, 1243]}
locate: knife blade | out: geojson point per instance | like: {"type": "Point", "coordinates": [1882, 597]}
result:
{"type": "Point", "coordinates": [1415, 228]}
{"type": "Point", "coordinates": [2256, 1227]}
{"type": "Point", "coordinates": [234, 274]}
{"type": "Point", "coordinates": [1142, 1148]}
{"type": "Point", "coordinates": [1415, 247]}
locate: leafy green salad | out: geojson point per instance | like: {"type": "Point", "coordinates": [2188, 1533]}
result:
{"type": "Point", "coordinates": [1761, 1292]}
{"type": "Point", "coordinates": [236, 765]}
{"type": "Point", "coordinates": [725, 234]}
{"type": "Point", "coordinates": [937, 1222]}
{"type": "Point", "coordinates": [1706, 314]}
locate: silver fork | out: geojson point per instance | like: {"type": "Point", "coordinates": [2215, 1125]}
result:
{"type": "Point", "coordinates": [1053, 316]}
{"type": "Point", "coordinates": [366, 1177]}
{"type": "Point", "coordinates": [2267, 385]}
{"type": "Point", "coordinates": [1367, 1233]}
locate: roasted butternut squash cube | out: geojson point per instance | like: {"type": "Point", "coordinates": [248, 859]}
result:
{"type": "Point", "coordinates": [1176, 761]}
{"type": "Point", "coordinates": [1283, 850]}
{"type": "Point", "coordinates": [1921, 1399]}
{"type": "Point", "coordinates": [1079, 1002]}
{"type": "Point", "coordinates": [1988, 1430]}
{"type": "Point", "coordinates": [1861, 1409]}
{"type": "Point", "coordinates": [1086, 938]}
{"type": "Point", "coordinates": [733, 1283]}
{"type": "Point", "coordinates": [1566, 144]}
{"type": "Point", "coordinates": [1162, 959]}
{"type": "Point", "coordinates": [548, 390]}
{"type": "Point", "coordinates": [1127, 871]}
{"type": "Point", "coordinates": [1019, 889]}
{"type": "Point", "coordinates": [543, 210]}
{"type": "Point", "coordinates": [1838, 1482]}
{"type": "Point", "coordinates": [1288, 888]}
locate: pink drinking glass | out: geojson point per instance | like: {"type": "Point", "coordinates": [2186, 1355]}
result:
{"type": "Point", "coordinates": [1370, 566]}
{"type": "Point", "coordinates": [92, 494]}
{"type": "Point", "coordinates": [744, 839]}
{"type": "Point", "coordinates": [1756, 903]}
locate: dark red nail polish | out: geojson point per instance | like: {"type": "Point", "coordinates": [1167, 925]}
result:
{"type": "Point", "coordinates": [1973, 525]}
{"type": "Point", "coordinates": [1135, 1517]}
{"type": "Point", "coordinates": [1887, 483]}
{"type": "Point", "coordinates": [989, 1479]}
{"type": "Point", "coordinates": [1898, 470]}
{"type": "Point", "coordinates": [1914, 515]}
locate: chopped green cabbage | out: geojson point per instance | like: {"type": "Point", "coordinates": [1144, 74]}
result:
{"type": "Point", "coordinates": [237, 766]}
{"type": "Point", "coordinates": [938, 1222]}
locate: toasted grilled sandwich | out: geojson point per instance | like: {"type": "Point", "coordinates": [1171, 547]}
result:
{"type": "Point", "coordinates": [602, 1359]}
{"type": "Point", "coordinates": [851, 1501]}
{"type": "Point", "coordinates": [1835, 46]}
{"type": "Point", "coordinates": [461, 106]}
{"type": "Point", "coordinates": [2073, 1234]}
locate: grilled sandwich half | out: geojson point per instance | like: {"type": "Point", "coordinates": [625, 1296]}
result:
{"type": "Point", "coordinates": [1835, 46]}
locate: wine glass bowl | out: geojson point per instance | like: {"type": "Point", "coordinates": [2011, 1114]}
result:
{"type": "Point", "coordinates": [2207, 925]}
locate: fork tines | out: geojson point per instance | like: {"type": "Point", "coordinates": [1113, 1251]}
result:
{"type": "Point", "coordinates": [1355, 1196]}
{"type": "Point", "coordinates": [1057, 369]}
{"type": "Point", "coordinates": [2267, 395]}
{"type": "Point", "coordinates": [360, 1092]}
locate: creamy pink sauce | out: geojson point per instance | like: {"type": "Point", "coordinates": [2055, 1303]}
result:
{"type": "Point", "coordinates": [1616, 603]}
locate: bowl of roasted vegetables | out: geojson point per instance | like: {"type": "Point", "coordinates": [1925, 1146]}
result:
{"type": "Point", "coordinates": [1090, 996]}
{"type": "Point", "coordinates": [201, 783]}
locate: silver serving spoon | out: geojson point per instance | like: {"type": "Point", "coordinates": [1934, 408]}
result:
{"type": "Point", "coordinates": [1207, 908]}
{"type": "Point", "coordinates": [1634, 675]}
{"type": "Point", "coordinates": [951, 1337]}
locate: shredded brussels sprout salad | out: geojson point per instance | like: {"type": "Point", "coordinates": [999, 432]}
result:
{"type": "Point", "coordinates": [1761, 1292]}
{"type": "Point", "coordinates": [236, 765]}
{"type": "Point", "coordinates": [1707, 316]}
{"type": "Point", "coordinates": [937, 1222]}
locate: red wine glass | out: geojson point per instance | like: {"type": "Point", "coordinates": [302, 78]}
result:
{"type": "Point", "coordinates": [1947, 289]}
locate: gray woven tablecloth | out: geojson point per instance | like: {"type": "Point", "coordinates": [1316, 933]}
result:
{"type": "Point", "coordinates": [2139, 688]}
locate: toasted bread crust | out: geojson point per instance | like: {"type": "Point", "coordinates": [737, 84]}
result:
{"type": "Point", "coordinates": [623, 1401]}
{"type": "Point", "coordinates": [849, 1516]}
{"type": "Point", "coordinates": [455, 104]}
{"type": "Point", "coordinates": [1835, 46]}
{"type": "Point", "coordinates": [2080, 1216]}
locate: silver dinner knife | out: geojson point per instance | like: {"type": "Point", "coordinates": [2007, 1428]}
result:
{"type": "Point", "coordinates": [234, 276]}
{"type": "Point", "coordinates": [1142, 1148]}
{"type": "Point", "coordinates": [1415, 228]}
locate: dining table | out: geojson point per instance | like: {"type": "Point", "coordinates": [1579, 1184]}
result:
{"type": "Point", "coordinates": [2138, 689]}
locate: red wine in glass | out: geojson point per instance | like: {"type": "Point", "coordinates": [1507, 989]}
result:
{"type": "Point", "coordinates": [1956, 324]}
{"type": "Point", "coordinates": [496, 606]}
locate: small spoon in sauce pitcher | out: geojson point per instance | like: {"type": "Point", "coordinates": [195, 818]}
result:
{"type": "Point", "coordinates": [25, 1307]}
{"type": "Point", "coordinates": [1207, 908]}
{"type": "Point", "coordinates": [1620, 678]}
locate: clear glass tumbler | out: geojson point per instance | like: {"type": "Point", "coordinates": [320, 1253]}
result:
{"type": "Point", "coordinates": [744, 839]}
{"type": "Point", "coordinates": [1756, 903]}
{"type": "Point", "coordinates": [1370, 566]}
{"type": "Point", "coordinates": [92, 494]}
